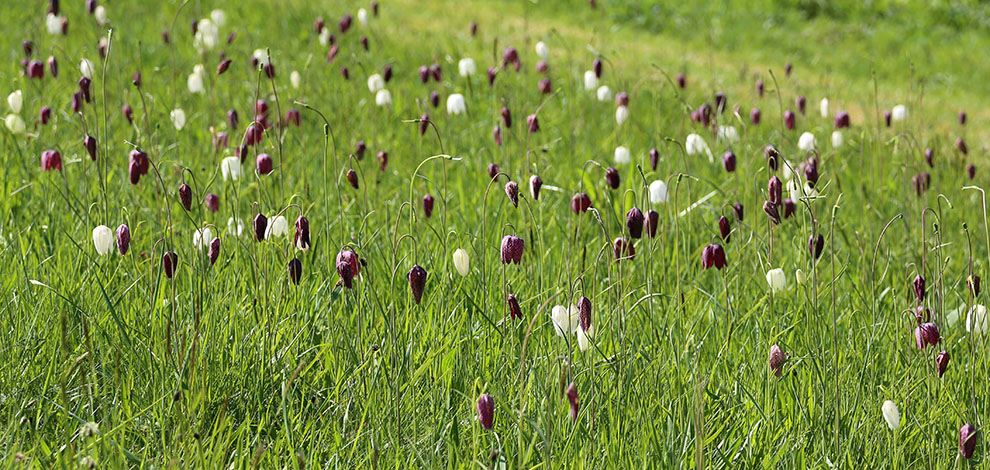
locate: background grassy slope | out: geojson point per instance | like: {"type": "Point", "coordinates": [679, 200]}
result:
{"type": "Point", "coordinates": [234, 366]}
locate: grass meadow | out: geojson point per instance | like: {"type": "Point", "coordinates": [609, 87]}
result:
{"type": "Point", "coordinates": [494, 234]}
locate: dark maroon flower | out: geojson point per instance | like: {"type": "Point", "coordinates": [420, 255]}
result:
{"type": "Point", "coordinates": [926, 334]}
{"type": "Point", "coordinates": [535, 184]}
{"type": "Point", "coordinates": [584, 312]}
{"type": "Point", "coordinates": [230, 40]}
{"type": "Point", "coordinates": [486, 411]}
{"type": "Point", "coordinates": [332, 54]}
{"type": "Point", "coordinates": [542, 67]}
{"type": "Point", "coordinates": [510, 56]}
{"type": "Point", "coordinates": [264, 163]}
{"type": "Point", "coordinates": [507, 117]}
{"type": "Point", "coordinates": [223, 66]}
{"type": "Point", "coordinates": [973, 282]}
{"type": "Point", "coordinates": [170, 261]}
{"type": "Point", "coordinates": [962, 118]}
{"type": "Point", "coordinates": [424, 123]}
{"type": "Point", "coordinates": [123, 239]}
{"type": "Point", "coordinates": [596, 66]}
{"type": "Point", "coordinates": [474, 29]}
{"type": "Point", "coordinates": [841, 119]}
{"type": "Point", "coordinates": [232, 119]}
{"type": "Point", "coordinates": [424, 73]}
{"type": "Point", "coordinates": [532, 123]}
{"type": "Point", "coordinates": [45, 115]}
{"type": "Point", "coordinates": [318, 25]}
{"type": "Point", "coordinates": [754, 116]}
{"type": "Point", "coordinates": [787, 69]}
{"type": "Point", "coordinates": [774, 190]}
{"type": "Point", "coordinates": [544, 86]}
{"type": "Point", "coordinates": [434, 99]}
{"type": "Point", "coordinates": [194, 26]}
{"type": "Point", "coordinates": [720, 102]}
{"type": "Point", "coordinates": [971, 171]}
{"type": "Point", "coordinates": [919, 288]}
{"type": "Point", "coordinates": [128, 113]}
{"type": "Point", "coordinates": [352, 258]}
{"type": "Point", "coordinates": [260, 224]}
{"type": "Point", "coordinates": [777, 359]}
{"type": "Point", "coordinates": [134, 171]}
{"type": "Point", "coordinates": [136, 79]}
{"type": "Point", "coordinates": [387, 73]}
{"type": "Point", "coordinates": [941, 363]}
{"type": "Point", "coordinates": [789, 120]}
{"type": "Point", "coordinates": [382, 159]}
{"type": "Point", "coordinates": [295, 270]}
{"type": "Point", "coordinates": [77, 101]}
{"type": "Point", "coordinates": [84, 88]}
{"type": "Point", "coordinates": [789, 208]}
{"type": "Point", "coordinates": [165, 36]}
{"type": "Point", "coordinates": [497, 135]}
{"type": "Point", "coordinates": [352, 178]}
{"type": "Point", "coordinates": [922, 314]}
{"type": "Point", "coordinates": [345, 23]}
{"type": "Point", "coordinates": [920, 182]}
{"type": "Point", "coordinates": [65, 26]}
{"type": "Point", "coordinates": [436, 72]}
{"type": "Point", "coordinates": [729, 161]}
{"type": "Point", "coordinates": [772, 156]}
{"type": "Point", "coordinates": [634, 222]}
{"type": "Point", "coordinates": [301, 238]}
{"type": "Point", "coordinates": [737, 211]}
{"type": "Point", "coordinates": [346, 272]}
{"type": "Point", "coordinates": [512, 190]}
{"type": "Point", "coordinates": [572, 397]}
{"type": "Point", "coordinates": [623, 248]}
{"type": "Point", "coordinates": [759, 88]}
{"type": "Point", "coordinates": [580, 202]}
{"type": "Point", "coordinates": [492, 73]}
{"type": "Point", "coordinates": [771, 210]}
{"type": "Point", "coordinates": [493, 170]}
{"type": "Point", "coordinates": [512, 249]}
{"type": "Point", "coordinates": [417, 282]}
{"type": "Point", "coordinates": [212, 202]}
{"type": "Point", "coordinates": [90, 143]}
{"type": "Point", "coordinates": [713, 256]}
{"type": "Point", "coordinates": [816, 244]}
{"type": "Point", "coordinates": [681, 81]}
{"type": "Point", "coordinates": [622, 99]}
{"type": "Point", "coordinates": [654, 158]}
{"type": "Point", "coordinates": [725, 228]}
{"type": "Point", "coordinates": [514, 310]}
{"type": "Point", "coordinates": [359, 149]}
{"type": "Point", "coordinates": [427, 206]}
{"type": "Point", "coordinates": [887, 117]}
{"type": "Point", "coordinates": [652, 222]}
{"type": "Point", "coordinates": [185, 196]}
{"type": "Point", "coordinates": [260, 110]}
{"type": "Point", "coordinates": [929, 154]}
{"type": "Point", "coordinates": [612, 177]}
{"type": "Point", "coordinates": [53, 66]}
{"type": "Point", "coordinates": [801, 104]}
{"type": "Point", "coordinates": [811, 171]}
{"type": "Point", "coordinates": [51, 160]}
{"type": "Point", "coordinates": [220, 140]}
{"type": "Point", "coordinates": [255, 133]}
{"type": "Point", "coordinates": [967, 440]}
{"type": "Point", "coordinates": [36, 69]}
{"type": "Point", "coordinates": [242, 152]}
{"type": "Point", "coordinates": [214, 251]}
{"type": "Point", "coordinates": [364, 43]}
{"type": "Point", "coordinates": [28, 47]}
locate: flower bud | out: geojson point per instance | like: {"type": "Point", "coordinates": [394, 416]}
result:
{"type": "Point", "coordinates": [535, 184]}
{"type": "Point", "coordinates": [816, 244]}
{"type": "Point", "coordinates": [789, 120]}
{"type": "Point", "coordinates": [123, 239]}
{"type": "Point", "coordinates": [729, 161]}
{"type": "Point", "coordinates": [775, 190]}
{"type": "Point", "coordinates": [967, 440]}
{"type": "Point", "coordinates": [634, 222]}
{"type": "Point", "coordinates": [612, 177]}
{"type": "Point", "coordinates": [724, 228]}
{"type": "Point", "coordinates": [514, 310]}
{"type": "Point", "coordinates": [352, 178]}
{"type": "Point", "coordinates": [532, 123]}
{"type": "Point", "coordinates": [580, 202]}
{"type": "Point", "coordinates": [382, 159]}
{"type": "Point", "coordinates": [260, 226]}
{"type": "Point", "coordinates": [417, 282]}
{"type": "Point", "coordinates": [359, 149]}
{"type": "Point", "coordinates": [962, 118]}
{"type": "Point", "coordinates": [652, 222]}
{"type": "Point", "coordinates": [424, 73]}
{"type": "Point", "coordinates": [777, 359]}
{"type": "Point", "coordinates": [973, 281]}
{"type": "Point", "coordinates": [789, 208]}
{"type": "Point", "coordinates": [771, 210]}
{"type": "Point", "coordinates": [841, 119]}
{"type": "Point", "coordinates": [51, 160]}
{"type": "Point", "coordinates": [497, 135]}
{"type": "Point", "coordinates": [759, 88]}
{"type": "Point", "coordinates": [223, 66]}
{"type": "Point", "coordinates": [170, 261]}
{"type": "Point", "coordinates": [35, 69]}
{"type": "Point", "coordinates": [772, 156]}
{"type": "Point", "coordinates": [134, 171]}
{"type": "Point", "coordinates": [77, 101]}
{"type": "Point", "coordinates": [596, 66]}
{"type": "Point", "coordinates": [507, 117]}
{"type": "Point", "coordinates": [572, 397]}
{"type": "Point", "coordinates": [737, 211]}
{"type": "Point", "coordinates": [654, 158]}
{"type": "Point", "coordinates": [214, 251]}
{"type": "Point", "coordinates": [486, 411]}
{"type": "Point", "coordinates": [462, 262]}
{"type": "Point", "coordinates": [919, 288]}
{"type": "Point", "coordinates": [681, 81]}
{"type": "Point", "coordinates": [294, 117]}
{"type": "Point", "coordinates": [493, 170]}
{"type": "Point", "coordinates": [53, 66]}
{"type": "Point", "coordinates": [623, 249]}
{"type": "Point", "coordinates": [212, 202]}
{"type": "Point", "coordinates": [386, 72]}
{"type": "Point", "coordinates": [436, 72]}
{"type": "Point", "coordinates": [427, 206]}
{"type": "Point", "coordinates": [720, 102]}
{"type": "Point", "coordinates": [345, 23]}
{"type": "Point", "coordinates": [90, 143]}
{"type": "Point", "coordinates": [295, 270]}
{"type": "Point", "coordinates": [45, 115]}
{"type": "Point", "coordinates": [185, 196]}
{"type": "Point", "coordinates": [512, 190]}
{"type": "Point", "coordinates": [941, 363]}
{"type": "Point", "coordinates": [301, 238]}
{"type": "Point", "coordinates": [801, 104]}
{"type": "Point", "coordinates": [544, 86]}
{"type": "Point", "coordinates": [886, 117]}
{"type": "Point", "coordinates": [754, 116]}
{"type": "Point", "coordinates": [971, 171]}
{"type": "Point", "coordinates": [891, 415]}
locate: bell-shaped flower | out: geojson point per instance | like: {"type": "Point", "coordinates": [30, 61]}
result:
{"type": "Point", "coordinates": [53, 23]}
{"type": "Point", "coordinates": [235, 227]}
{"type": "Point", "coordinates": [565, 320]}
{"type": "Point", "coordinates": [837, 139]}
{"type": "Point", "coordinates": [16, 101]}
{"type": "Point", "coordinates": [455, 104]}
{"type": "Point", "coordinates": [178, 118]}
{"type": "Point", "coordinates": [590, 80]}
{"type": "Point", "coordinates": [230, 168]}
{"type": "Point", "coordinates": [362, 16]}
{"type": "Point", "coordinates": [658, 192]}
{"type": "Point", "coordinates": [542, 50]}
{"type": "Point", "coordinates": [86, 68]}
{"type": "Point", "coordinates": [622, 155]}
{"type": "Point", "coordinates": [277, 227]}
{"type": "Point", "coordinates": [383, 98]}
{"type": "Point", "coordinates": [467, 67]}
{"type": "Point", "coordinates": [776, 279]}
{"type": "Point", "coordinates": [891, 415]}
{"type": "Point", "coordinates": [807, 142]}
{"type": "Point", "coordinates": [195, 80]}
{"type": "Point", "coordinates": [202, 238]}
{"type": "Point", "coordinates": [976, 320]}
{"type": "Point", "coordinates": [295, 79]}
{"type": "Point", "coordinates": [462, 262]}
{"type": "Point", "coordinates": [15, 123]}
{"type": "Point", "coordinates": [207, 35]}
{"type": "Point", "coordinates": [102, 239]}
{"type": "Point", "coordinates": [604, 94]}
{"type": "Point", "coordinates": [823, 107]}
{"type": "Point", "coordinates": [898, 113]}
{"type": "Point", "coordinates": [728, 134]}
{"type": "Point", "coordinates": [375, 83]}
{"type": "Point", "coordinates": [695, 145]}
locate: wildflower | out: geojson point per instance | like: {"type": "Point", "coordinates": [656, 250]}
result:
{"type": "Point", "coordinates": [652, 222]}
{"type": "Point", "coordinates": [15, 123]}
{"type": "Point", "coordinates": [580, 202]}
{"type": "Point", "coordinates": [776, 279]}
{"type": "Point", "coordinates": [295, 79]}
{"type": "Point", "coordinates": [961, 146]}
{"type": "Point", "coordinates": [462, 262]}
{"type": "Point", "coordinates": [807, 142]}
{"type": "Point", "coordinates": [295, 270]}
{"type": "Point", "coordinates": [230, 167]}
{"type": "Point", "coordinates": [801, 103]}
{"type": "Point", "coordinates": [967, 440]}
{"type": "Point", "coordinates": [837, 139]}
{"type": "Point", "coordinates": [427, 206]}
{"type": "Point", "coordinates": [737, 211]}
{"type": "Point", "coordinates": [695, 145]}
{"type": "Point", "coordinates": [572, 397]}
{"type": "Point", "coordinates": [621, 114]}
{"type": "Point", "coordinates": [532, 123]}
{"type": "Point", "coordinates": [891, 415]}
{"type": "Point", "coordinates": [514, 310]}
{"type": "Point", "coordinates": [789, 120]}
{"type": "Point", "coordinates": [277, 227]}
{"type": "Point", "coordinates": [206, 36]}
{"type": "Point", "coordinates": [16, 101]}
{"type": "Point", "coordinates": [512, 191]}
{"type": "Point", "coordinates": [301, 237]}
{"type": "Point", "coordinates": [841, 119]}
{"type": "Point", "coordinates": [45, 115]}
{"type": "Point", "coordinates": [941, 363]}
{"type": "Point", "coordinates": [658, 192]}
{"type": "Point", "coordinates": [976, 319]}
{"type": "Point", "coordinates": [455, 104]}
{"type": "Point", "coordinates": [604, 93]}
{"type": "Point", "coordinates": [535, 183]}
{"type": "Point", "coordinates": [816, 244]}
{"type": "Point", "coordinates": [919, 288]}
{"type": "Point", "coordinates": [597, 67]}
{"type": "Point", "coordinates": [612, 177]}
{"type": "Point", "coordinates": [724, 228]}
{"type": "Point", "coordinates": [53, 66]}
{"type": "Point", "coordinates": [178, 118]}
{"type": "Point", "coordinates": [512, 249]}
{"type": "Point", "coordinates": [654, 158]}
{"type": "Point", "coordinates": [195, 80]}
{"type": "Point", "coordinates": [486, 411]}
{"type": "Point", "coordinates": [264, 164]}
{"type": "Point", "coordinates": [417, 282]}
{"type": "Point", "coordinates": [352, 178]}
{"type": "Point", "coordinates": [622, 155]}
{"type": "Point", "coordinates": [51, 160]}
{"type": "Point", "coordinates": [713, 256]}
{"type": "Point", "coordinates": [590, 80]}
{"type": "Point", "coordinates": [123, 239]}
{"type": "Point", "coordinates": [201, 237]}
{"type": "Point", "coordinates": [973, 282]}
{"type": "Point", "coordinates": [823, 107]}
{"type": "Point", "coordinates": [260, 226]}
{"type": "Point", "coordinates": [565, 320]}
{"type": "Point", "coordinates": [634, 222]}
{"type": "Point", "coordinates": [383, 98]}
{"type": "Point", "coordinates": [362, 16]}
{"type": "Point", "coordinates": [728, 134]}
{"type": "Point", "coordinates": [754, 116]}
{"type": "Point", "coordinates": [898, 113]}
{"type": "Point", "coordinates": [777, 359]}
{"type": "Point", "coordinates": [729, 161]}
{"type": "Point", "coordinates": [170, 261]}
{"type": "Point", "coordinates": [962, 118]}
{"type": "Point", "coordinates": [926, 334]}
{"type": "Point", "coordinates": [467, 67]}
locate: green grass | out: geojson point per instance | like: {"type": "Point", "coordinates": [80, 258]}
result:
{"type": "Point", "coordinates": [233, 366]}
